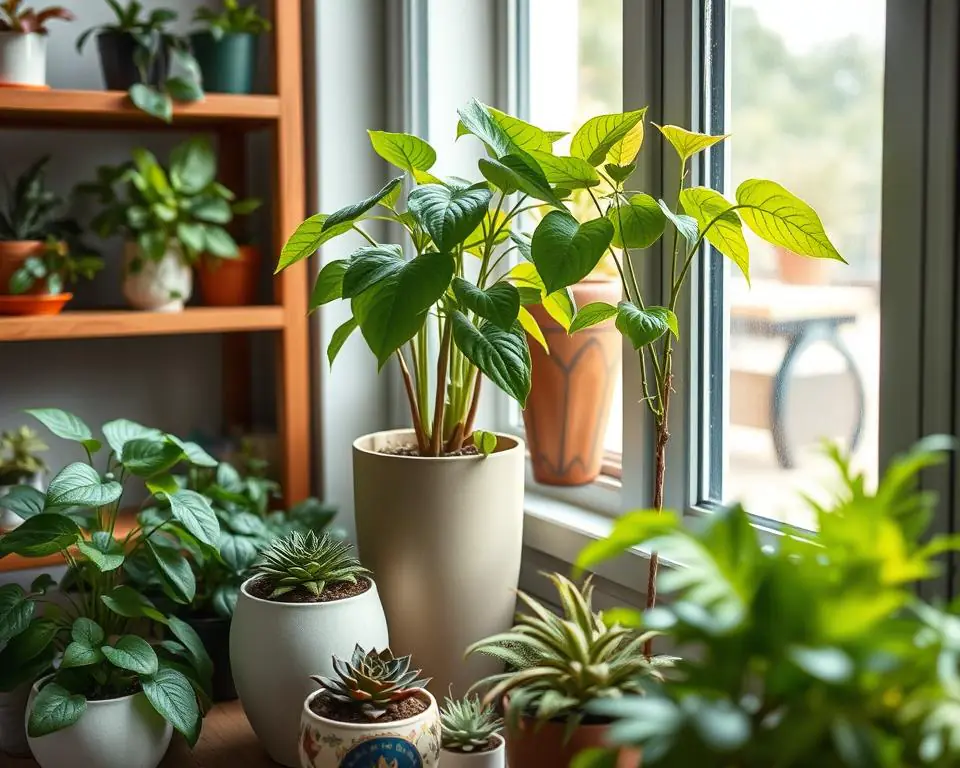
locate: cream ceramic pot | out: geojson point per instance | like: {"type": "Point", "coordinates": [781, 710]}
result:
{"type": "Point", "coordinates": [495, 758]}
{"type": "Point", "coordinates": [118, 733]}
{"type": "Point", "coordinates": [410, 743]}
{"type": "Point", "coordinates": [23, 59]}
{"type": "Point", "coordinates": [156, 286]}
{"type": "Point", "coordinates": [443, 537]}
{"type": "Point", "coordinates": [275, 647]}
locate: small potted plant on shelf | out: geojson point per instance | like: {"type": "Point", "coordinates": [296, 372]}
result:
{"type": "Point", "coordinates": [20, 464]}
{"type": "Point", "coordinates": [137, 53]}
{"type": "Point", "coordinates": [308, 601]}
{"type": "Point", "coordinates": [371, 710]}
{"type": "Point", "coordinates": [227, 50]}
{"type": "Point", "coordinates": [230, 281]}
{"type": "Point", "coordinates": [471, 734]}
{"type": "Point", "coordinates": [557, 667]}
{"type": "Point", "coordinates": [169, 218]}
{"type": "Point", "coordinates": [23, 43]}
{"type": "Point", "coordinates": [41, 280]}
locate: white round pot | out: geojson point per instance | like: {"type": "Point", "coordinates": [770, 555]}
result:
{"type": "Point", "coordinates": [410, 743]}
{"type": "Point", "coordinates": [495, 758]}
{"type": "Point", "coordinates": [13, 732]}
{"type": "Point", "coordinates": [444, 537]}
{"type": "Point", "coordinates": [10, 520]}
{"type": "Point", "coordinates": [118, 733]}
{"type": "Point", "coordinates": [275, 647]}
{"type": "Point", "coordinates": [156, 286]}
{"type": "Point", "coordinates": [23, 59]}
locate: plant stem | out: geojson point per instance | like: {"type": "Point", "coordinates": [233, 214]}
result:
{"type": "Point", "coordinates": [423, 374]}
{"type": "Point", "coordinates": [411, 398]}
{"type": "Point", "coordinates": [659, 474]}
{"type": "Point", "coordinates": [442, 361]}
{"type": "Point", "coordinates": [365, 236]}
{"type": "Point", "coordinates": [474, 405]}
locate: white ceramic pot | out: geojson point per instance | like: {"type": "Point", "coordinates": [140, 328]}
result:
{"type": "Point", "coordinates": [443, 537]}
{"type": "Point", "coordinates": [410, 743]}
{"type": "Point", "coordinates": [119, 733]}
{"type": "Point", "coordinates": [495, 758]}
{"type": "Point", "coordinates": [23, 59]}
{"type": "Point", "coordinates": [156, 286]}
{"type": "Point", "coordinates": [9, 520]}
{"type": "Point", "coordinates": [13, 733]}
{"type": "Point", "coordinates": [275, 647]}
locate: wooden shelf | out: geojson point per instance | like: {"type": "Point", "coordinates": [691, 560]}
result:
{"type": "Point", "coordinates": [112, 109]}
{"type": "Point", "coordinates": [126, 521]}
{"type": "Point", "coordinates": [121, 322]}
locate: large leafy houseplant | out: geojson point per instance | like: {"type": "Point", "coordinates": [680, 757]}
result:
{"type": "Point", "coordinates": [815, 651]}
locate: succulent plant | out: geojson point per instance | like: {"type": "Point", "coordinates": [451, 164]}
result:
{"type": "Point", "coordinates": [309, 562]}
{"type": "Point", "coordinates": [559, 664]}
{"type": "Point", "coordinates": [468, 723]}
{"type": "Point", "coordinates": [372, 680]}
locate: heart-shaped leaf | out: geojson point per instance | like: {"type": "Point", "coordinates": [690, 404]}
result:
{"type": "Point", "coordinates": [329, 284]}
{"type": "Point", "coordinates": [500, 303]}
{"type": "Point", "coordinates": [592, 314]}
{"type": "Point", "coordinates": [688, 143]}
{"type": "Point", "coordinates": [686, 225]}
{"type": "Point", "coordinates": [23, 500]}
{"type": "Point", "coordinates": [641, 326]}
{"type": "Point", "coordinates": [132, 653]}
{"type": "Point", "coordinates": [80, 485]}
{"type": "Point", "coordinates": [565, 251]}
{"type": "Point", "coordinates": [126, 601]}
{"type": "Point", "coordinates": [599, 135]}
{"type": "Point", "coordinates": [194, 512]}
{"type": "Point", "coordinates": [176, 572]}
{"type": "Point", "coordinates": [309, 236]}
{"type": "Point", "coordinates": [86, 631]}
{"type": "Point", "coordinates": [351, 213]}
{"type": "Point", "coordinates": [502, 356]}
{"type": "Point", "coordinates": [520, 171]}
{"type": "Point", "coordinates": [54, 709]}
{"type": "Point", "coordinates": [152, 101]}
{"type": "Point", "coordinates": [238, 552]}
{"type": "Point", "coordinates": [339, 338]}
{"type": "Point", "coordinates": [368, 266]}
{"type": "Point", "coordinates": [80, 655]}
{"type": "Point", "coordinates": [637, 225]}
{"type": "Point", "coordinates": [171, 694]}
{"type": "Point", "coordinates": [103, 551]}
{"type": "Point", "coordinates": [500, 132]}
{"type": "Point", "coordinates": [192, 452]}
{"type": "Point", "coordinates": [449, 215]}
{"type": "Point", "coordinates": [146, 457]}
{"type": "Point", "coordinates": [41, 535]}
{"type": "Point", "coordinates": [120, 431]}
{"type": "Point", "coordinates": [16, 610]}
{"type": "Point", "coordinates": [485, 442]}
{"type": "Point", "coordinates": [67, 426]}
{"type": "Point", "coordinates": [712, 209]}
{"type": "Point", "coordinates": [567, 172]}
{"type": "Point", "coordinates": [407, 152]}
{"type": "Point", "coordinates": [559, 304]}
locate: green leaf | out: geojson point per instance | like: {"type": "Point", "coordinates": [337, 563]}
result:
{"type": "Point", "coordinates": [559, 304]}
{"type": "Point", "coordinates": [66, 425]}
{"type": "Point", "coordinates": [165, 483]}
{"type": "Point", "coordinates": [831, 665]}
{"type": "Point", "coordinates": [339, 338]}
{"type": "Point", "coordinates": [502, 356]}
{"type": "Point", "coordinates": [23, 500]}
{"type": "Point", "coordinates": [641, 326]}
{"type": "Point", "coordinates": [687, 143]}
{"type": "Point", "coordinates": [686, 225]}
{"type": "Point", "coordinates": [132, 653]}
{"type": "Point", "coordinates": [218, 242]}
{"type": "Point", "coordinates": [80, 485]}
{"type": "Point", "coordinates": [238, 552]}
{"type": "Point", "coordinates": [592, 314]}
{"type": "Point", "coordinates": [726, 233]}
{"type": "Point", "coordinates": [126, 601]}
{"type": "Point", "coordinates": [197, 654]}
{"type": "Point", "coordinates": [54, 709]}
{"type": "Point", "coordinates": [500, 303]}
{"type": "Point", "coordinates": [212, 210]}
{"type": "Point", "coordinates": [565, 251]}
{"type": "Point", "coordinates": [118, 432]}
{"type": "Point", "coordinates": [407, 152]}
{"type": "Point", "coordinates": [152, 101]}
{"type": "Point", "coordinates": [79, 654]}
{"type": "Point", "coordinates": [449, 215]}
{"type": "Point", "coordinates": [596, 757]}
{"type": "Point", "coordinates": [619, 173]}
{"type": "Point", "coordinates": [184, 89]}
{"type": "Point", "coordinates": [194, 512]}
{"type": "Point", "coordinates": [567, 172]}
{"type": "Point", "coordinates": [485, 442]}
{"type": "Point", "coordinates": [520, 171]}
{"type": "Point", "coordinates": [394, 308]}
{"type": "Point", "coordinates": [370, 265]}
{"type": "Point", "coordinates": [42, 535]}
{"type": "Point", "coordinates": [87, 632]}
{"type": "Point", "coordinates": [194, 453]}
{"type": "Point", "coordinates": [34, 640]}
{"type": "Point", "coordinates": [225, 599]}
{"type": "Point", "coordinates": [630, 530]}
{"type": "Point", "coordinates": [309, 236]}
{"type": "Point", "coordinates": [637, 225]}
{"type": "Point", "coordinates": [529, 324]}
{"type": "Point", "coordinates": [146, 457]}
{"type": "Point", "coordinates": [351, 213]}
{"type": "Point", "coordinates": [502, 133]}
{"type": "Point", "coordinates": [782, 218]}
{"type": "Point", "coordinates": [172, 696]}
{"type": "Point", "coordinates": [600, 136]}
{"type": "Point", "coordinates": [16, 610]}
{"type": "Point", "coordinates": [193, 166]}
{"type": "Point", "coordinates": [329, 284]}
{"type": "Point", "coordinates": [176, 572]}
{"type": "Point", "coordinates": [103, 551]}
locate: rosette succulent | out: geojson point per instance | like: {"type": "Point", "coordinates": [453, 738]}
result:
{"type": "Point", "coordinates": [468, 724]}
{"type": "Point", "coordinates": [307, 561]}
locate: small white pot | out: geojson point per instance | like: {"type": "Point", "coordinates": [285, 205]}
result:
{"type": "Point", "coordinates": [156, 286]}
{"type": "Point", "coordinates": [495, 758]}
{"type": "Point", "coordinates": [23, 59]}
{"type": "Point", "coordinates": [119, 733]}
{"type": "Point", "coordinates": [13, 732]}
{"type": "Point", "coordinates": [275, 647]}
{"type": "Point", "coordinates": [9, 520]}
{"type": "Point", "coordinates": [410, 743]}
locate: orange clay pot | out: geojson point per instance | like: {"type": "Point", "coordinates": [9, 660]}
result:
{"type": "Point", "coordinates": [12, 255]}
{"type": "Point", "coordinates": [29, 304]}
{"type": "Point", "coordinates": [569, 404]}
{"type": "Point", "coordinates": [530, 746]}
{"type": "Point", "coordinates": [230, 282]}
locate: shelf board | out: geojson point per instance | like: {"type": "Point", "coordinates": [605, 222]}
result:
{"type": "Point", "coordinates": [113, 109]}
{"type": "Point", "coordinates": [124, 322]}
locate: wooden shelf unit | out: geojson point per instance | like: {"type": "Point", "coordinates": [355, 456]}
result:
{"type": "Point", "coordinates": [229, 117]}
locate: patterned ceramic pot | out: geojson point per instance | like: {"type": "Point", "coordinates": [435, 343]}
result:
{"type": "Point", "coordinates": [410, 743]}
{"type": "Point", "coordinates": [495, 758]}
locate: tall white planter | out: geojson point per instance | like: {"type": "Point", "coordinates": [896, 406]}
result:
{"type": "Point", "coordinates": [275, 647]}
{"type": "Point", "coordinates": [23, 59]}
{"type": "Point", "coordinates": [443, 536]}
{"type": "Point", "coordinates": [410, 743]}
{"type": "Point", "coordinates": [156, 286]}
{"type": "Point", "coordinates": [119, 733]}
{"type": "Point", "coordinates": [495, 758]}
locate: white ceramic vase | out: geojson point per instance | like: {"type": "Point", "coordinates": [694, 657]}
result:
{"type": "Point", "coordinates": [156, 286]}
{"type": "Point", "coordinates": [13, 732]}
{"type": "Point", "coordinates": [410, 743]}
{"type": "Point", "coordinates": [443, 537]}
{"type": "Point", "coordinates": [275, 647]}
{"type": "Point", "coordinates": [495, 758]}
{"type": "Point", "coordinates": [10, 520]}
{"type": "Point", "coordinates": [118, 733]}
{"type": "Point", "coordinates": [23, 59]}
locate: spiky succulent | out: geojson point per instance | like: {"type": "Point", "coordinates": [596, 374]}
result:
{"type": "Point", "coordinates": [307, 561]}
{"type": "Point", "coordinates": [558, 664]}
{"type": "Point", "coordinates": [468, 723]}
{"type": "Point", "coordinates": [370, 681]}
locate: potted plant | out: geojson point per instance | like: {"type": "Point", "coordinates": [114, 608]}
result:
{"type": "Point", "coordinates": [308, 600]}
{"type": "Point", "coordinates": [471, 734]}
{"type": "Point", "coordinates": [230, 281]}
{"type": "Point", "coordinates": [557, 667]}
{"type": "Point", "coordinates": [169, 217]}
{"type": "Point", "coordinates": [23, 43]}
{"type": "Point", "coordinates": [227, 50]}
{"type": "Point", "coordinates": [136, 54]}
{"type": "Point", "coordinates": [114, 697]}
{"type": "Point", "coordinates": [37, 287]}
{"type": "Point", "coordinates": [817, 651]}
{"type": "Point", "coordinates": [371, 710]}
{"type": "Point", "coordinates": [19, 465]}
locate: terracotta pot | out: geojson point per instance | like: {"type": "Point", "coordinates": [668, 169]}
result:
{"type": "Point", "coordinates": [34, 304]}
{"type": "Point", "coordinates": [801, 270]}
{"type": "Point", "coordinates": [569, 404]}
{"type": "Point", "coordinates": [542, 746]}
{"type": "Point", "coordinates": [230, 282]}
{"type": "Point", "coordinates": [12, 255]}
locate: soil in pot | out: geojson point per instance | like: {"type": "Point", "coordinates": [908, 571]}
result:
{"type": "Point", "coordinates": [120, 71]}
{"type": "Point", "coordinates": [492, 743]}
{"type": "Point", "coordinates": [214, 633]}
{"type": "Point", "coordinates": [332, 709]}
{"type": "Point", "coordinates": [412, 450]}
{"type": "Point", "coordinates": [339, 591]}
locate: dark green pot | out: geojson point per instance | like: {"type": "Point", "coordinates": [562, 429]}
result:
{"type": "Point", "coordinates": [227, 64]}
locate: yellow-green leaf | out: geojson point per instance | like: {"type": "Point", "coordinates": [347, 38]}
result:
{"type": "Point", "coordinates": [407, 152]}
{"type": "Point", "coordinates": [559, 304]}
{"type": "Point", "coordinates": [726, 233]}
{"type": "Point", "coordinates": [626, 150]}
{"type": "Point", "coordinates": [567, 172]}
{"type": "Point", "coordinates": [598, 137]}
{"type": "Point", "coordinates": [532, 327]}
{"type": "Point", "coordinates": [688, 143]}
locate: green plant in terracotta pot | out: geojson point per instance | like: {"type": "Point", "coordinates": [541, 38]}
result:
{"type": "Point", "coordinates": [23, 42]}
{"type": "Point", "coordinates": [227, 49]}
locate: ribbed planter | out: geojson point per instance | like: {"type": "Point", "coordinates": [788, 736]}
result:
{"type": "Point", "coordinates": [156, 286]}
{"type": "Point", "coordinates": [495, 758]}
{"type": "Point", "coordinates": [23, 60]}
{"type": "Point", "coordinates": [533, 745]}
{"type": "Point", "coordinates": [443, 537]}
{"type": "Point", "coordinates": [275, 647]}
{"type": "Point", "coordinates": [572, 391]}
{"type": "Point", "coordinates": [227, 64]}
